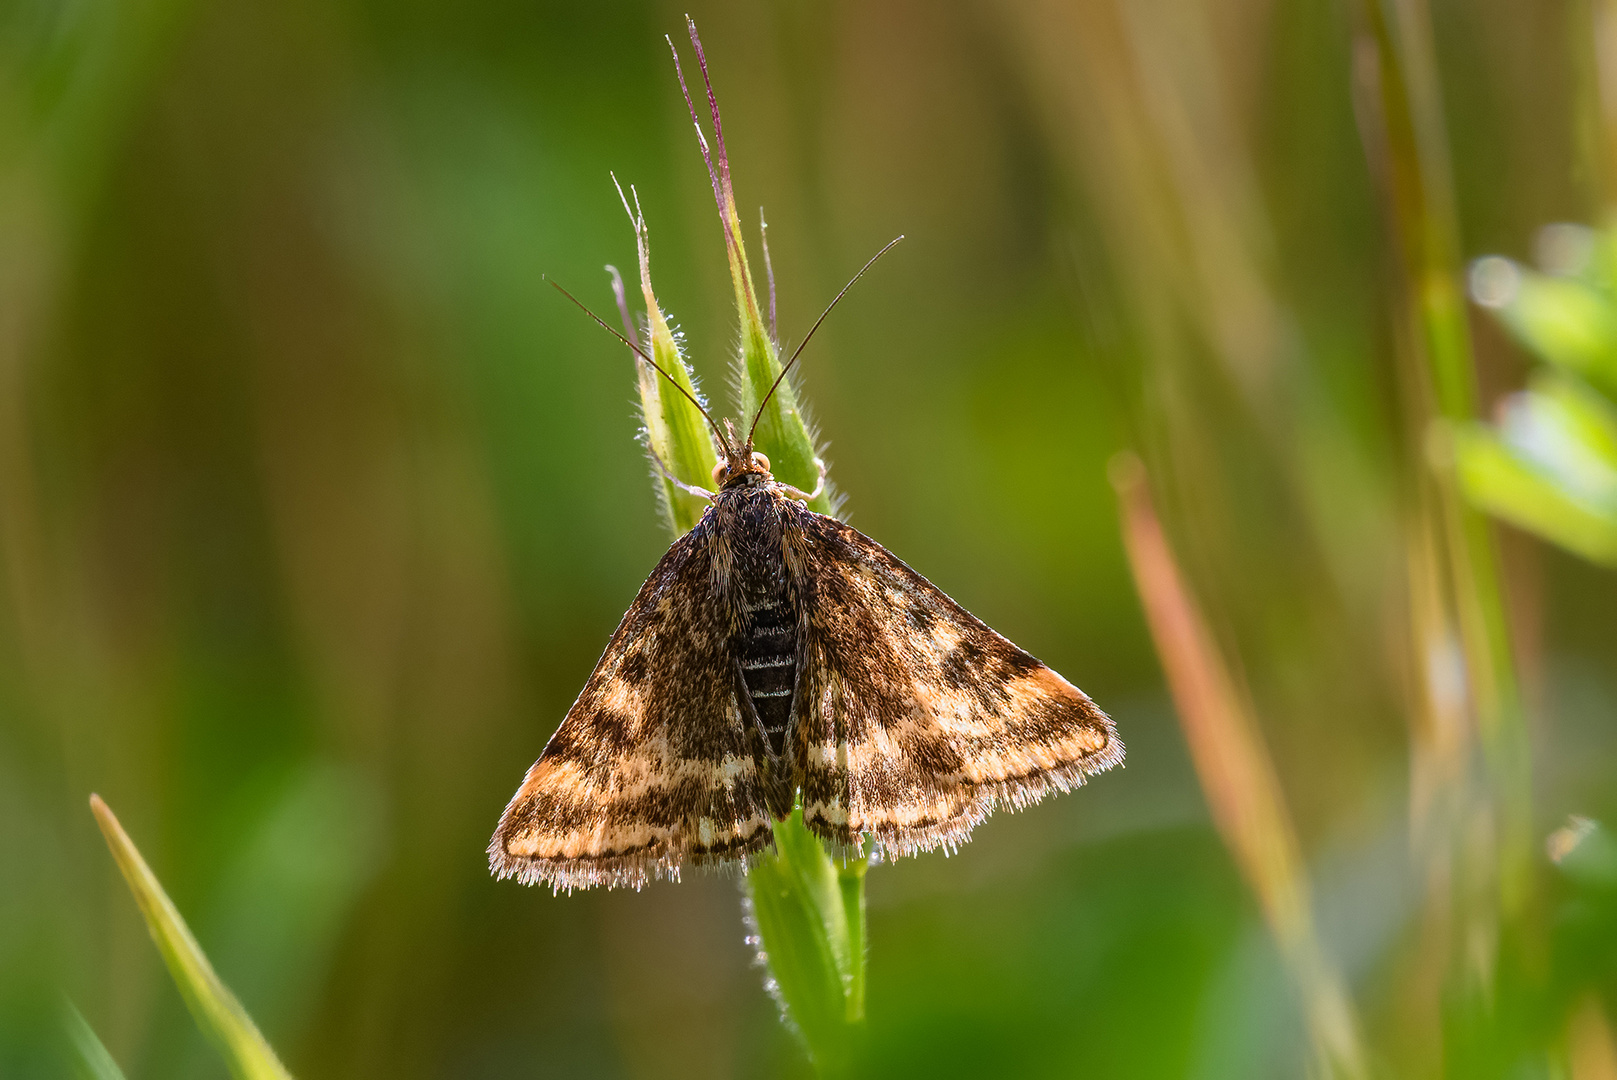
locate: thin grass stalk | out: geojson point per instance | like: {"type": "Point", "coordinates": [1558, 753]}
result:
{"type": "Point", "coordinates": [783, 433]}
{"type": "Point", "coordinates": [1402, 122]}
{"type": "Point", "coordinates": [1602, 35]}
{"type": "Point", "coordinates": [1237, 777]}
{"type": "Point", "coordinates": [806, 911]}
{"type": "Point", "coordinates": [1442, 795]}
{"type": "Point", "coordinates": [1439, 737]}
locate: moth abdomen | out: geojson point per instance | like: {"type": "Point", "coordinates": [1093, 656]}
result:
{"type": "Point", "coordinates": [765, 640]}
{"type": "Point", "coordinates": [766, 649]}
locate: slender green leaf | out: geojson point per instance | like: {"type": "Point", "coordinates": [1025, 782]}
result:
{"type": "Point", "coordinates": [851, 880]}
{"type": "Point", "coordinates": [215, 1008]}
{"type": "Point", "coordinates": [783, 435]}
{"type": "Point", "coordinates": [91, 1060]}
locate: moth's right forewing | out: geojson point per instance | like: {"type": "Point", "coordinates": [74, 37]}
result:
{"type": "Point", "coordinates": [919, 719]}
{"type": "Point", "coordinates": [654, 764]}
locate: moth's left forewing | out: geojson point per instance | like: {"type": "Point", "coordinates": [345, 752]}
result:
{"type": "Point", "coordinates": [918, 718]}
{"type": "Point", "coordinates": [655, 766]}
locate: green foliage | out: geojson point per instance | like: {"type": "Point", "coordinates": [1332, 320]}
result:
{"type": "Point", "coordinates": [1549, 464]}
{"type": "Point", "coordinates": [1567, 321]}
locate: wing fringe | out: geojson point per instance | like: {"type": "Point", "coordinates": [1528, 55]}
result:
{"type": "Point", "coordinates": [1006, 795]}
{"type": "Point", "coordinates": [633, 870]}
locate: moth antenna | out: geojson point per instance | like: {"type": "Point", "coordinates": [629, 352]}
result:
{"type": "Point", "coordinates": [638, 351]}
{"type": "Point", "coordinates": [799, 350]}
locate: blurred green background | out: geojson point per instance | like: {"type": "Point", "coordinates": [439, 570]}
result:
{"type": "Point", "coordinates": [317, 507]}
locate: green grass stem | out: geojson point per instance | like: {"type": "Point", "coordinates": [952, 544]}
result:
{"type": "Point", "coordinates": [1412, 147]}
{"type": "Point", "coordinates": [808, 912]}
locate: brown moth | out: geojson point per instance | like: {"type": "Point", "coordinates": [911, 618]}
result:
{"type": "Point", "coordinates": [777, 655]}
{"type": "Point", "coordinates": [774, 658]}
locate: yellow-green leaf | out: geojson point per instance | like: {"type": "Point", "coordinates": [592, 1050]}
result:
{"type": "Point", "coordinates": [1499, 479]}
{"type": "Point", "coordinates": [676, 431]}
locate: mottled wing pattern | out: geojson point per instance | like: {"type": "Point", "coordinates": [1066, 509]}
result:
{"type": "Point", "coordinates": [914, 719]}
{"type": "Point", "coordinates": [654, 764]}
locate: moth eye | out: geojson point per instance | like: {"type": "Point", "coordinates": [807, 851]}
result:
{"type": "Point", "coordinates": [760, 461]}
{"type": "Point", "coordinates": [718, 471]}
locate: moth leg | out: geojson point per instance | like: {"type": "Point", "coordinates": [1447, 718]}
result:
{"type": "Point", "coordinates": [809, 496]}
{"type": "Point", "coordinates": [689, 489]}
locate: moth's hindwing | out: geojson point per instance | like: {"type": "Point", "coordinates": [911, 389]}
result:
{"type": "Point", "coordinates": [654, 764]}
{"type": "Point", "coordinates": [918, 719]}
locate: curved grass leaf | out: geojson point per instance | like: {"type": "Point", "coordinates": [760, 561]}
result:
{"type": "Point", "coordinates": [91, 1059]}
{"type": "Point", "coordinates": [212, 1005]}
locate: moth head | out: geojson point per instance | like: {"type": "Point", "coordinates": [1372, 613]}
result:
{"type": "Point", "coordinates": [740, 460]}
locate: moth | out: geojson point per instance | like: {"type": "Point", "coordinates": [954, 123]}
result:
{"type": "Point", "coordinates": [778, 657]}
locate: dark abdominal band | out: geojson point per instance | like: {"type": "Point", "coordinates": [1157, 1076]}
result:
{"type": "Point", "coordinates": [767, 649]}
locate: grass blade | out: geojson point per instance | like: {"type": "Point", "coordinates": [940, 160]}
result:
{"type": "Point", "coordinates": [92, 1062]}
{"type": "Point", "coordinates": [214, 1007]}
{"type": "Point", "coordinates": [1237, 776]}
{"type": "Point", "coordinates": [783, 434]}
{"type": "Point", "coordinates": [1405, 136]}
